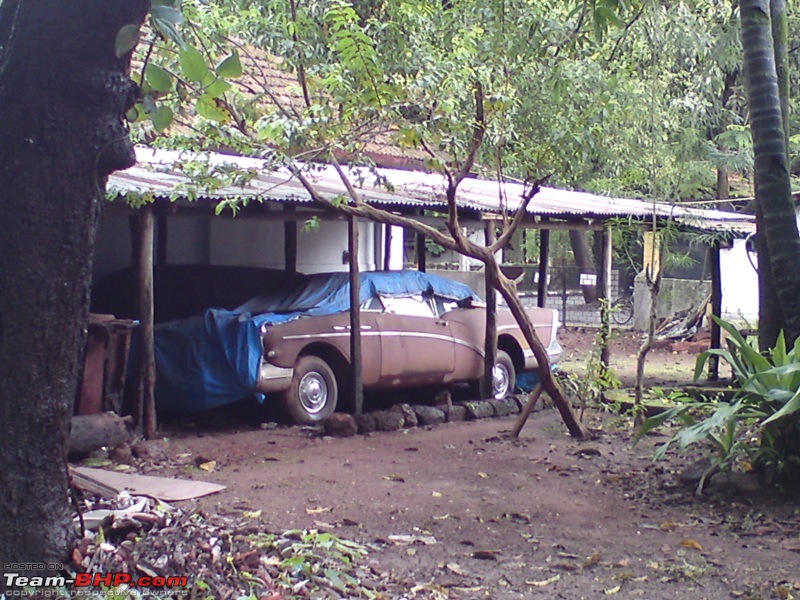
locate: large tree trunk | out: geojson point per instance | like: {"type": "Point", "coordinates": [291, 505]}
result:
{"type": "Point", "coordinates": [776, 220]}
{"type": "Point", "coordinates": [63, 92]}
{"type": "Point", "coordinates": [579, 241]}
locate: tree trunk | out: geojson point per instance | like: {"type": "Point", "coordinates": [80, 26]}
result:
{"type": "Point", "coordinates": [63, 92]}
{"type": "Point", "coordinates": [579, 241]}
{"type": "Point", "coordinates": [776, 223]}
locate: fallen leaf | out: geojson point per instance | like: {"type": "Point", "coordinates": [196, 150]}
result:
{"type": "Point", "coordinates": [251, 514]}
{"type": "Point", "coordinates": [208, 466]}
{"type": "Point", "coordinates": [482, 475]}
{"type": "Point", "coordinates": [690, 543]}
{"type": "Point", "coordinates": [592, 561]}
{"type": "Point", "coordinates": [405, 539]}
{"type": "Point", "coordinates": [456, 568]}
{"type": "Point", "coordinates": [484, 555]}
{"type": "Point", "coordinates": [668, 526]}
{"type": "Point", "coordinates": [544, 582]}
{"type": "Point", "coordinates": [396, 478]}
{"type": "Point", "coordinates": [612, 591]}
{"type": "Point", "coordinates": [442, 518]}
{"type": "Point", "coordinates": [318, 511]}
{"type": "Point", "coordinates": [411, 449]}
{"type": "Point", "coordinates": [437, 494]}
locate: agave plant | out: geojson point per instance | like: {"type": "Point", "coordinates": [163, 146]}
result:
{"type": "Point", "coordinates": [768, 397]}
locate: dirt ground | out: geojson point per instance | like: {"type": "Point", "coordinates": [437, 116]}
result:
{"type": "Point", "coordinates": [462, 511]}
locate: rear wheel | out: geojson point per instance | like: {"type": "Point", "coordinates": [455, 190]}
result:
{"type": "Point", "coordinates": [504, 376]}
{"type": "Point", "coordinates": [313, 394]}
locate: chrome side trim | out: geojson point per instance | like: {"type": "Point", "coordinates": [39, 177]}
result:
{"type": "Point", "coordinates": [272, 378]}
{"type": "Point", "coordinates": [430, 336]}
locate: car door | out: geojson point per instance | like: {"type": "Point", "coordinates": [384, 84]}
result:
{"type": "Point", "coordinates": [416, 346]}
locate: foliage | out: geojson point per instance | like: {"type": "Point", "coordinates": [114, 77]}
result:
{"type": "Point", "coordinates": [767, 399]}
{"type": "Point", "coordinates": [594, 380]}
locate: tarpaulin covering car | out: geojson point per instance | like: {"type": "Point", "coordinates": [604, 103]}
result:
{"type": "Point", "coordinates": [293, 344]}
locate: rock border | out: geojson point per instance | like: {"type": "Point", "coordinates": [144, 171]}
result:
{"type": "Point", "coordinates": [408, 416]}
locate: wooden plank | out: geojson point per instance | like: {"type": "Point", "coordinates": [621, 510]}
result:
{"type": "Point", "coordinates": [111, 483]}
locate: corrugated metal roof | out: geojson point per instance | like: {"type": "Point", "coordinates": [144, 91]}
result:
{"type": "Point", "coordinates": [160, 173]}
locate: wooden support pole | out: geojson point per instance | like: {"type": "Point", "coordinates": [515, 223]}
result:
{"type": "Point", "coordinates": [544, 260]}
{"type": "Point", "coordinates": [526, 412]}
{"type": "Point", "coordinates": [490, 338]}
{"type": "Point", "coordinates": [146, 410]}
{"type": "Point", "coordinates": [716, 310]}
{"type": "Point", "coordinates": [355, 316]}
{"type": "Point", "coordinates": [421, 251]}
{"type": "Point", "coordinates": [387, 247]}
{"type": "Point", "coordinates": [604, 295]}
{"type": "Point", "coordinates": [290, 242]}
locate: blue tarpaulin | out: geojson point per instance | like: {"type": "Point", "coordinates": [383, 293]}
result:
{"type": "Point", "coordinates": [212, 360]}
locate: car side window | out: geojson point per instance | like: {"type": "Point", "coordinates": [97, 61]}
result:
{"type": "Point", "coordinates": [409, 306]}
{"type": "Point", "coordinates": [373, 304]}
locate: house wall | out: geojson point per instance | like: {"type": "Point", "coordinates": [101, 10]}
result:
{"type": "Point", "coordinates": [739, 283]}
{"type": "Point", "coordinates": [247, 242]}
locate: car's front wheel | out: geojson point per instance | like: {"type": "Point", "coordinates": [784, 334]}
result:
{"type": "Point", "coordinates": [504, 376]}
{"type": "Point", "coordinates": [314, 393]}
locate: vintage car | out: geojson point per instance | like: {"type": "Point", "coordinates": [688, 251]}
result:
{"type": "Point", "coordinates": [417, 329]}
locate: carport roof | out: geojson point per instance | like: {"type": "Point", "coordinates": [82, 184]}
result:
{"type": "Point", "coordinates": [162, 173]}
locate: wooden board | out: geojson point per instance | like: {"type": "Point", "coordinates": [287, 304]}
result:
{"type": "Point", "coordinates": [162, 488]}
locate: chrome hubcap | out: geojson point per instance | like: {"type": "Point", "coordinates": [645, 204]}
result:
{"type": "Point", "coordinates": [313, 392]}
{"type": "Point", "coordinates": [500, 381]}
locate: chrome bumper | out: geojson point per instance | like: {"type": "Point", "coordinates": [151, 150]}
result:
{"type": "Point", "coordinates": [272, 378]}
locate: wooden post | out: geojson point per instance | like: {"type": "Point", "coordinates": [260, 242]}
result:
{"type": "Point", "coordinates": [604, 295]}
{"type": "Point", "coordinates": [146, 411]}
{"type": "Point", "coordinates": [421, 251]}
{"type": "Point", "coordinates": [387, 247]}
{"type": "Point", "coordinates": [490, 339]}
{"type": "Point", "coordinates": [716, 310]}
{"type": "Point", "coordinates": [544, 259]}
{"type": "Point", "coordinates": [162, 225]}
{"type": "Point", "coordinates": [290, 242]}
{"type": "Point", "coordinates": [355, 316]}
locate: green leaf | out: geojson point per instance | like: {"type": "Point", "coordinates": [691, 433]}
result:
{"type": "Point", "coordinates": [214, 86]}
{"type": "Point", "coordinates": [207, 107]}
{"type": "Point", "coordinates": [193, 65]}
{"type": "Point", "coordinates": [230, 67]}
{"type": "Point", "coordinates": [166, 13]}
{"type": "Point", "coordinates": [791, 407]}
{"type": "Point", "coordinates": [126, 40]}
{"type": "Point", "coordinates": [159, 79]}
{"type": "Point", "coordinates": [162, 118]}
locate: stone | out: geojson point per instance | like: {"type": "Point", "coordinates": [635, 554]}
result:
{"type": "Point", "coordinates": [122, 454]}
{"type": "Point", "coordinates": [500, 409]}
{"type": "Point", "coordinates": [365, 422]}
{"type": "Point", "coordinates": [511, 405]}
{"type": "Point", "coordinates": [341, 425]}
{"type": "Point", "coordinates": [443, 398]}
{"type": "Point", "coordinates": [456, 412]}
{"type": "Point", "coordinates": [153, 450]}
{"type": "Point", "coordinates": [409, 416]}
{"type": "Point", "coordinates": [479, 409]}
{"type": "Point", "coordinates": [387, 420]}
{"type": "Point", "coordinates": [429, 415]}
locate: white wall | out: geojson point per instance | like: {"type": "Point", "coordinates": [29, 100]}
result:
{"type": "Point", "coordinates": [739, 283]}
{"type": "Point", "coordinates": [248, 242]}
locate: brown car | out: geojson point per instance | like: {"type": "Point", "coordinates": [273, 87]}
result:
{"type": "Point", "coordinates": [416, 330]}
